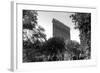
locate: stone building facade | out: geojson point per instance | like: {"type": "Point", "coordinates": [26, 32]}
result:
{"type": "Point", "coordinates": [60, 30]}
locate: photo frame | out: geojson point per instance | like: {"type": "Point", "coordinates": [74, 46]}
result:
{"type": "Point", "coordinates": [17, 21]}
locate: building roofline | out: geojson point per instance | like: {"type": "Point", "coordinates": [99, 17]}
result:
{"type": "Point", "coordinates": [65, 26]}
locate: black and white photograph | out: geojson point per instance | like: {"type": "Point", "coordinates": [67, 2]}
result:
{"type": "Point", "coordinates": [55, 36]}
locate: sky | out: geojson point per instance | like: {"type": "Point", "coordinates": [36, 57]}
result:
{"type": "Point", "coordinates": [45, 20]}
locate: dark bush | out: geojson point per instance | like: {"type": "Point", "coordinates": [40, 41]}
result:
{"type": "Point", "coordinates": [54, 48]}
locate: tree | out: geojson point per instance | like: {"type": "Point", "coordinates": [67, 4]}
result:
{"type": "Point", "coordinates": [29, 19]}
{"type": "Point", "coordinates": [73, 48]}
{"type": "Point", "coordinates": [33, 34]}
{"type": "Point", "coordinates": [31, 30]}
{"type": "Point", "coordinates": [83, 23]}
{"type": "Point", "coordinates": [54, 49]}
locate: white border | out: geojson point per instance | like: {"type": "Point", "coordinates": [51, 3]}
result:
{"type": "Point", "coordinates": [17, 64]}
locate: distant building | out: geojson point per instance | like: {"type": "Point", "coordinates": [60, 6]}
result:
{"type": "Point", "coordinates": [60, 30]}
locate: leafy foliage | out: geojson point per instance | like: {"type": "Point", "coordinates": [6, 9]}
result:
{"type": "Point", "coordinates": [29, 19]}
{"type": "Point", "coordinates": [54, 48]}
{"type": "Point", "coordinates": [51, 50]}
{"type": "Point", "coordinates": [33, 35]}
{"type": "Point", "coordinates": [83, 23]}
{"type": "Point", "coordinates": [73, 48]}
